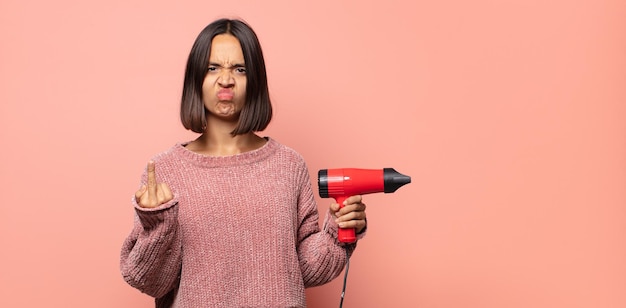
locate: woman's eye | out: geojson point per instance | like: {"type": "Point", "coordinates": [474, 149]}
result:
{"type": "Point", "coordinates": [240, 70]}
{"type": "Point", "coordinates": [212, 69]}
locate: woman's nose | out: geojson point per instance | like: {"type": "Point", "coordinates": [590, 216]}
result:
{"type": "Point", "coordinates": [226, 79]}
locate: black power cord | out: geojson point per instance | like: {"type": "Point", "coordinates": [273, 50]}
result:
{"type": "Point", "coordinates": [345, 278]}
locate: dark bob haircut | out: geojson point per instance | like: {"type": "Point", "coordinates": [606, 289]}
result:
{"type": "Point", "coordinates": [257, 111]}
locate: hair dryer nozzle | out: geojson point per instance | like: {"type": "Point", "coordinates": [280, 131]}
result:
{"type": "Point", "coordinates": [322, 182]}
{"type": "Point", "coordinates": [394, 180]}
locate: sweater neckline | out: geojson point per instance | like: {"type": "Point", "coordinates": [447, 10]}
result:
{"type": "Point", "coordinates": [224, 161]}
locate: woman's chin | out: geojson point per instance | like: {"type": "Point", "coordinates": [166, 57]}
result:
{"type": "Point", "coordinates": [226, 115]}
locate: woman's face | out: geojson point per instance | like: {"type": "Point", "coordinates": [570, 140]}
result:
{"type": "Point", "coordinates": [224, 86]}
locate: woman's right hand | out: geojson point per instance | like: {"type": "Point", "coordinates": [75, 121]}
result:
{"type": "Point", "coordinates": [153, 194]}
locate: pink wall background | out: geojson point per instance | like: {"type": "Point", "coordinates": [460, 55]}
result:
{"type": "Point", "coordinates": [509, 116]}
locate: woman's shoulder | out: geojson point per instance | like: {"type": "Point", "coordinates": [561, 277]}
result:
{"type": "Point", "coordinates": [289, 156]}
{"type": "Point", "coordinates": [171, 153]}
{"type": "Point", "coordinates": [286, 150]}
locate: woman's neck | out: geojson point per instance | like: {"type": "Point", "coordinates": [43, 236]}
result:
{"type": "Point", "coordinates": [217, 141]}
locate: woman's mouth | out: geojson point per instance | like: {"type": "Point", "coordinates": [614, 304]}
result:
{"type": "Point", "coordinates": [225, 94]}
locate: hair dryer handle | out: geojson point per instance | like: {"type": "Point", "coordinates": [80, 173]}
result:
{"type": "Point", "coordinates": [345, 235]}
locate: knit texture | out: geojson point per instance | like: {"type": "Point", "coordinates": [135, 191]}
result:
{"type": "Point", "coordinates": [241, 231]}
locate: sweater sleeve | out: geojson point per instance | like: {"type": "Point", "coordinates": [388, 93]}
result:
{"type": "Point", "coordinates": [322, 257]}
{"type": "Point", "coordinates": [151, 254]}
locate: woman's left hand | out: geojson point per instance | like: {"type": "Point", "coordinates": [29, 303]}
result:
{"type": "Point", "coordinates": [352, 215]}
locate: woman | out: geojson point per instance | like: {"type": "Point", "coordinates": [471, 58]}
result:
{"type": "Point", "coordinates": [229, 219]}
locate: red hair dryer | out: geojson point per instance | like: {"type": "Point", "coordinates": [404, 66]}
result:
{"type": "Point", "coordinates": [343, 183]}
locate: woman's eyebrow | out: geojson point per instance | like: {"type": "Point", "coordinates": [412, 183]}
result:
{"type": "Point", "coordinates": [236, 65]}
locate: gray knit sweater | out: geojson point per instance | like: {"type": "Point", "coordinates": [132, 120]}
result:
{"type": "Point", "coordinates": [241, 231]}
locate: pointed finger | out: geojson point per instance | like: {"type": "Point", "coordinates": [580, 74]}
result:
{"type": "Point", "coordinates": [152, 185]}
